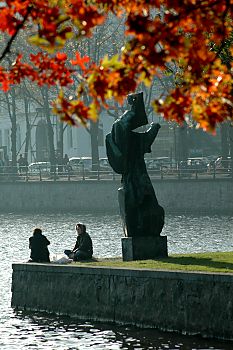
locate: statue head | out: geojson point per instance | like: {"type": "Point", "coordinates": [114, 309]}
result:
{"type": "Point", "coordinates": [137, 105]}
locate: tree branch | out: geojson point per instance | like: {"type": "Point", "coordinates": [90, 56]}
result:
{"type": "Point", "coordinates": [19, 26]}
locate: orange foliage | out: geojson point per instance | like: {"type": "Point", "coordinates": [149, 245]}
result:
{"type": "Point", "coordinates": [159, 32]}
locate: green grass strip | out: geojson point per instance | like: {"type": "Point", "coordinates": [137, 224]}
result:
{"type": "Point", "coordinates": [205, 262]}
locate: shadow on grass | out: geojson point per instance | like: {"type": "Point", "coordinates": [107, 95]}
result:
{"type": "Point", "coordinates": [191, 261]}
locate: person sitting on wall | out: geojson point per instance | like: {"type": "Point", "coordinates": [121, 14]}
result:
{"type": "Point", "coordinates": [38, 244]}
{"type": "Point", "coordinates": [83, 248]}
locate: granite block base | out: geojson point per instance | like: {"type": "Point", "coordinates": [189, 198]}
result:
{"type": "Point", "coordinates": [143, 248]}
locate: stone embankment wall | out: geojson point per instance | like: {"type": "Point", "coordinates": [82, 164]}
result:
{"type": "Point", "coordinates": [189, 196]}
{"type": "Point", "coordinates": [194, 303]}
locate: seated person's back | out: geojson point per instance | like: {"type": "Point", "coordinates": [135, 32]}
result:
{"type": "Point", "coordinates": [38, 244]}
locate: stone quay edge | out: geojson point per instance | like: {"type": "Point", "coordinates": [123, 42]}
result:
{"type": "Point", "coordinates": [184, 302]}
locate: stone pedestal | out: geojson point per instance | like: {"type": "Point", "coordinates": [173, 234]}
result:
{"type": "Point", "coordinates": [143, 248]}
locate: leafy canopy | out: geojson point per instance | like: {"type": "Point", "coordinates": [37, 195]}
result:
{"type": "Point", "coordinates": [194, 35]}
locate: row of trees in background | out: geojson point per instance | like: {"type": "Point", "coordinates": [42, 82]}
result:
{"type": "Point", "coordinates": [185, 139]}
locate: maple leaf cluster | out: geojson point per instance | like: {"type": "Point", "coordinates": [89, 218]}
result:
{"type": "Point", "coordinates": [42, 69]}
{"type": "Point", "coordinates": [191, 33]}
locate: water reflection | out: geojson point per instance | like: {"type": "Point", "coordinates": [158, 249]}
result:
{"type": "Point", "coordinates": [37, 331]}
{"type": "Point", "coordinates": [54, 332]}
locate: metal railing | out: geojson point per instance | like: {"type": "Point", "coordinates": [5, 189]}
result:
{"type": "Point", "coordinates": [164, 172]}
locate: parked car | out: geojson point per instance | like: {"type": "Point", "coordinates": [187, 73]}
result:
{"type": "Point", "coordinates": [198, 164]}
{"type": "Point", "coordinates": [104, 164]}
{"type": "Point", "coordinates": [147, 161]}
{"type": "Point", "coordinates": [160, 163]}
{"type": "Point", "coordinates": [79, 164]}
{"type": "Point", "coordinates": [220, 164]}
{"type": "Point", "coordinates": [85, 163]}
{"type": "Point", "coordinates": [39, 168]}
{"type": "Point", "coordinates": [185, 170]}
{"type": "Point", "coordinates": [74, 163]}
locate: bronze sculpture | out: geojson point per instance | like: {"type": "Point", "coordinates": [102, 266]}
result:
{"type": "Point", "coordinates": [141, 214]}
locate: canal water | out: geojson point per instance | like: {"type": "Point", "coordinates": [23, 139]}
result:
{"type": "Point", "coordinates": [32, 331]}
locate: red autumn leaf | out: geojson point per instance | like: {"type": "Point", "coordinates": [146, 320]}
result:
{"type": "Point", "coordinates": [61, 56]}
{"type": "Point", "coordinates": [80, 61]}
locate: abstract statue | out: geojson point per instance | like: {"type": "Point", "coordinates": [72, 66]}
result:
{"type": "Point", "coordinates": [140, 212]}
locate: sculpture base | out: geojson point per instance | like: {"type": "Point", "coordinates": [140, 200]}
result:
{"type": "Point", "coordinates": [144, 248]}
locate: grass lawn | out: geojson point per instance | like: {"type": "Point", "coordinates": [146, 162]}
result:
{"type": "Point", "coordinates": [205, 262]}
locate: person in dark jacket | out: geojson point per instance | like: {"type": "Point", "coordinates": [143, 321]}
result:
{"type": "Point", "coordinates": [83, 248]}
{"type": "Point", "coordinates": [38, 244]}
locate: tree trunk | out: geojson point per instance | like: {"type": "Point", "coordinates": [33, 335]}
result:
{"type": "Point", "coordinates": [52, 156]}
{"type": "Point", "coordinates": [225, 142]}
{"type": "Point", "coordinates": [231, 148]}
{"type": "Point", "coordinates": [13, 130]}
{"type": "Point", "coordinates": [28, 128]}
{"type": "Point", "coordinates": [11, 106]}
{"type": "Point", "coordinates": [94, 128]}
{"type": "Point", "coordinates": [182, 151]}
{"type": "Point", "coordinates": [60, 143]}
